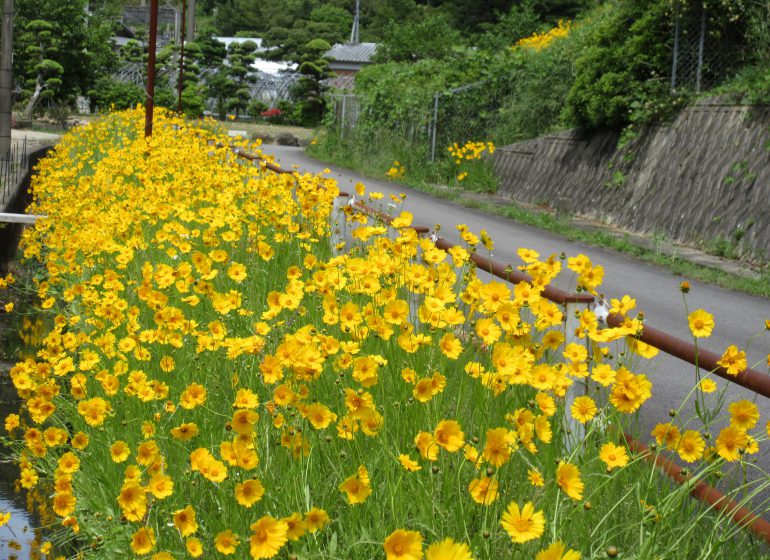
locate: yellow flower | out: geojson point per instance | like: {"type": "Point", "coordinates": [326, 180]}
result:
{"type": "Point", "coordinates": [237, 272]}
{"type": "Point", "coordinates": [535, 478]}
{"type": "Point", "coordinates": [449, 435]}
{"type": "Point", "coordinates": [161, 486]}
{"type": "Point", "coordinates": [64, 504]}
{"type": "Point", "coordinates": [666, 435]}
{"type": "Point", "coordinates": [5, 517]}
{"type": "Point", "coordinates": [568, 479]}
{"type": "Point", "coordinates": [249, 492]}
{"type": "Point", "coordinates": [557, 551]}
{"type": "Point", "coordinates": [613, 455]}
{"type": "Point", "coordinates": [583, 409]}
{"type": "Point", "coordinates": [408, 463]}
{"type": "Point", "coordinates": [448, 550]}
{"type": "Point", "coordinates": [185, 432]}
{"type": "Point", "coordinates": [403, 545]}
{"type": "Point", "coordinates": [316, 519]}
{"type": "Point", "coordinates": [701, 323]}
{"type": "Point", "coordinates": [185, 522]}
{"type": "Point", "coordinates": [484, 490]}
{"type": "Point", "coordinates": [226, 542]}
{"type": "Point", "coordinates": [268, 537]}
{"type": "Point", "coordinates": [622, 306]}
{"type": "Point", "coordinates": [194, 547]}
{"type": "Point", "coordinates": [730, 442]}
{"type": "Point", "coordinates": [691, 446]}
{"type": "Point", "coordinates": [523, 524]}
{"type": "Point", "coordinates": [357, 487]}
{"type": "Point", "coordinates": [194, 395]}
{"type": "Point", "coordinates": [733, 360]}
{"type": "Point", "coordinates": [296, 526]}
{"type": "Point", "coordinates": [707, 386]}
{"type": "Point", "coordinates": [498, 447]}
{"type": "Point", "coordinates": [143, 541]}
{"type": "Point", "coordinates": [744, 414]}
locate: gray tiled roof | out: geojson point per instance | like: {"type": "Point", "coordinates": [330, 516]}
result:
{"type": "Point", "coordinates": [352, 52]}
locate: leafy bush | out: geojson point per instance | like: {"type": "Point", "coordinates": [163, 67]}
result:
{"type": "Point", "coordinates": [433, 37]}
{"type": "Point", "coordinates": [624, 59]}
{"type": "Point", "coordinates": [108, 93]}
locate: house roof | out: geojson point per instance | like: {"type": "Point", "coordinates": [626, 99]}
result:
{"type": "Point", "coordinates": [352, 52]}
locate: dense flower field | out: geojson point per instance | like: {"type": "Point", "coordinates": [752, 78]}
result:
{"type": "Point", "coordinates": [219, 379]}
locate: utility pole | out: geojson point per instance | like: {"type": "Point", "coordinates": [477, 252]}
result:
{"type": "Point", "coordinates": [6, 79]}
{"type": "Point", "coordinates": [356, 23]}
{"type": "Point", "coordinates": [151, 68]}
{"type": "Point", "coordinates": [191, 21]}
{"type": "Point", "coordinates": [180, 79]}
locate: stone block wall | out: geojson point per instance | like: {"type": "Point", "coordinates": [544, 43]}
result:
{"type": "Point", "coordinates": [704, 180]}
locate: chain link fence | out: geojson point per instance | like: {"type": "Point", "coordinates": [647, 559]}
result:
{"type": "Point", "coordinates": [459, 115]}
{"type": "Point", "coordinates": [707, 48]}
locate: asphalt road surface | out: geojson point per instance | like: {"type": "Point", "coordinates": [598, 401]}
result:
{"type": "Point", "coordinates": [739, 317]}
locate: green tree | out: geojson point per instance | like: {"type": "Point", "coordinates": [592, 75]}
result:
{"type": "Point", "coordinates": [233, 16]}
{"type": "Point", "coordinates": [309, 89]}
{"type": "Point", "coordinates": [433, 37]}
{"type": "Point", "coordinates": [240, 57]}
{"type": "Point", "coordinates": [289, 43]}
{"type": "Point", "coordinates": [43, 78]}
{"type": "Point", "coordinates": [59, 50]}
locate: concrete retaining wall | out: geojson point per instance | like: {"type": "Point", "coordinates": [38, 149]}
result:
{"type": "Point", "coordinates": [704, 180]}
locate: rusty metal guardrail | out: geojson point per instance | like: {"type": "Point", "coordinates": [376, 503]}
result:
{"type": "Point", "coordinates": [749, 378]}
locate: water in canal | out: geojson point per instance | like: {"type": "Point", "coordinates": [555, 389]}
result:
{"type": "Point", "coordinates": [20, 538]}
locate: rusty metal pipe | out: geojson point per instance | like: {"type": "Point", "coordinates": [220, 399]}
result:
{"type": "Point", "coordinates": [510, 274]}
{"type": "Point", "coordinates": [749, 378]}
{"type": "Point", "coordinates": [387, 218]}
{"type": "Point", "coordinates": [267, 164]}
{"type": "Point", "coordinates": [705, 493]}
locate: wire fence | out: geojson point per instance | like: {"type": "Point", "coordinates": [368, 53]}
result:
{"type": "Point", "coordinates": [12, 169]}
{"type": "Point", "coordinates": [459, 115]}
{"type": "Point", "coordinates": [706, 48]}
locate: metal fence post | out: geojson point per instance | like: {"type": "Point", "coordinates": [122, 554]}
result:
{"type": "Point", "coordinates": [339, 221]}
{"type": "Point", "coordinates": [701, 41]}
{"type": "Point", "coordinates": [675, 60]}
{"type": "Point", "coordinates": [342, 116]}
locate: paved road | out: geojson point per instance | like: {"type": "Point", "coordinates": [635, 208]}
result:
{"type": "Point", "coordinates": [739, 318]}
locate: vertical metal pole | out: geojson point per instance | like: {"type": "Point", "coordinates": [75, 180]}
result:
{"type": "Point", "coordinates": [151, 68]}
{"type": "Point", "coordinates": [675, 60]}
{"type": "Point", "coordinates": [191, 21]}
{"type": "Point", "coordinates": [342, 118]}
{"type": "Point", "coordinates": [6, 79]}
{"type": "Point", "coordinates": [435, 125]}
{"type": "Point", "coordinates": [180, 80]}
{"type": "Point", "coordinates": [700, 45]}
